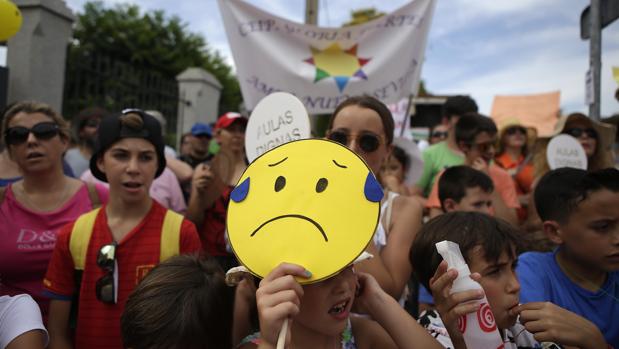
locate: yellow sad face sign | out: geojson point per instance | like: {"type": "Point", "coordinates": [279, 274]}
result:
{"type": "Point", "coordinates": [311, 202]}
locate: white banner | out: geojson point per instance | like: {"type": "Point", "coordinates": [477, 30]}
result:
{"type": "Point", "coordinates": [324, 66]}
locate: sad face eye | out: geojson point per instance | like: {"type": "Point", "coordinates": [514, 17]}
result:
{"type": "Point", "coordinates": [280, 183]}
{"type": "Point", "coordinates": [321, 185]}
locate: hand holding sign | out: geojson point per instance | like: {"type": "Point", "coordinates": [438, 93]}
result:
{"type": "Point", "coordinates": [565, 151]}
{"type": "Point", "coordinates": [277, 119]}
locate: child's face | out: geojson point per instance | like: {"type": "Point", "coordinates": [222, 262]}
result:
{"type": "Point", "coordinates": [130, 166]}
{"type": "Point", "coordinates": [483, 147]}
{"type": "Point", "coordinates": [499, 282]}
{"type": "Point", "coordinates": [326, 305]}
{"type": "Point", "coordinates": [393, 168]}
{"type": "Point", "coordinates": [475, 200]}
{"type": "Point", "coordinates": [591, 234]}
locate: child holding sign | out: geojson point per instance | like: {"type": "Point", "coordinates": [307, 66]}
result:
{"type": "Point", "coordinates": [320, 313]}
{"type": "Point", "coordinates": [488, 246]}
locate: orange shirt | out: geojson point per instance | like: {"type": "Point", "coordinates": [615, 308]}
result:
{"type": "Point", "coordinates": [524, 178]}
{"type": "Point", "coordinates": [503, 184]}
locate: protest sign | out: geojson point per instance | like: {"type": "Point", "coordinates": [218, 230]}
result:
{"type": "Point", "coordinates": [325, 66]}
{"type": "Point", "coordinates": [279, 118]}
{"type": "Point", "coordinates": [565, 151]}
{"type": "Point", "coordinates": [311, 202]}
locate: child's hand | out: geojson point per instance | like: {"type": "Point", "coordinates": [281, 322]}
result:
{"type": "Point", "coordinates": [279, 297]}
{"type": "Point", "coordinates": [369, 293]}
{"type": "Point", "coordinates": [452, 306]}
{"type": "Point", "coordinates": [550, 323]}
{"type": "Point", "coordinates": [480, 165]}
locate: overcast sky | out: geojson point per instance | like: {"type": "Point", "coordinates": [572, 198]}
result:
{"type": "Point", "coordinates": [476, 47]}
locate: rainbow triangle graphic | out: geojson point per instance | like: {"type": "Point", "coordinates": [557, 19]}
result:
{"type": "Point", "coordinates": [341, 65]}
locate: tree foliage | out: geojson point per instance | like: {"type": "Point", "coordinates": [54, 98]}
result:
{"type": "Point", "coordinates": [363, 15]}
{"type": "Point", "coordinates": [149, 40]}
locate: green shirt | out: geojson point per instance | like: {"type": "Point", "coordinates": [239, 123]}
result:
{"type": "Point", "coordinates": [436, 158]}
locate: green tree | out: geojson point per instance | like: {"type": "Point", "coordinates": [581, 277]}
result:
{"type": "Point", "coordinates": [363, 15]}
{"type": "Point", "coordinates": [151, 41]}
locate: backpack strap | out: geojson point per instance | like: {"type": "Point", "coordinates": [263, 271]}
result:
{"type": "Point", "coordinates": [93, 194]}
{"type": "Point", "coordinates": [170, 235]}
{"type": "Point", "coordinates": [80, 237]}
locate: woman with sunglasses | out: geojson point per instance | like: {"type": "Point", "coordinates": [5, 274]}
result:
{"type": "Point", "coordinates": [34, 208]}
{"type": "Point", "coordinates": [100, 258]}
{"type": "Point", "coordinates": [514, 157]}
{"type": "Point", "coordinates": [365, 125]}
{"type": "Point", "coordinates": [595, 137]}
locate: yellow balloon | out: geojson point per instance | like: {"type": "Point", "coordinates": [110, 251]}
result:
{"type": "Point", "coordinates": [10, 20]}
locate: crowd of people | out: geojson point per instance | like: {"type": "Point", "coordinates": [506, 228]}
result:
{"type": "Point", "coordinates": [109, 238]}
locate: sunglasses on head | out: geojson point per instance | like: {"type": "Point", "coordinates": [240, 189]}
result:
{"type": "Point", "coordinates": [105, 287]}
{"type": "Point", "coordinates": [19, 134]}
{"type": "Point", "coordinates": [367, 141]}
{"type": "Point", "coordinates": [439, 134]}
{"type": "Point", "coordinates": [577, 132]}
{"type": "Point", "coordinates": [513, 130]}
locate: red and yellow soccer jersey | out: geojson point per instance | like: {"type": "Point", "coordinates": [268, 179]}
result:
{"type": "Point", "coordinates": [98, 324]}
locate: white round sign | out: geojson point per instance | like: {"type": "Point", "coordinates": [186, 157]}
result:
{"type": "Point", "coordinates": [277, 119]}
{"type": "Point", "coordinates": [565, 151]}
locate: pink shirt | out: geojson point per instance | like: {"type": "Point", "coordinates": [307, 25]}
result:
{"type": "Point", "coordinates": [165, 189]}
{"type": "Point", "coordinates": [27, 239]}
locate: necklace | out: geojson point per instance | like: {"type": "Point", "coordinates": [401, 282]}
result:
{"type": "Point", "coordinates": [26, 199]}
{"type": "Point", "coordinates": [591, 286]}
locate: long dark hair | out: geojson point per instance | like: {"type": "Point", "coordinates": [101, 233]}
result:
{"type": "Point", "coordinates": [369, 102]}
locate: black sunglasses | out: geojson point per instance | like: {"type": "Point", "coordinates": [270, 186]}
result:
{"type": "Point", "coordinates": [577, 132]}
{"type": "Point", "coordinates": [18, 135]}
{"type": "Point", "coordinates": [439, 134]}
{"type": "Point", "coordinates": [105, 287]}
{"type": "Point", "coordinates": [484, 147]}
{"type": "Point", "coordinates": [513, 130]}
{"type": "Point", "coordinates": [368, 142]}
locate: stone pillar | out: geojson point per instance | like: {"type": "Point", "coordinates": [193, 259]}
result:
{"type": "Point", "coordinates": [199, 92]}
{"type": "Point", "coordinates": [36, 55]}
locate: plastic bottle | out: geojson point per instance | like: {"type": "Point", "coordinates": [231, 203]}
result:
{"type": "Point", "coordinates": [478, 329]}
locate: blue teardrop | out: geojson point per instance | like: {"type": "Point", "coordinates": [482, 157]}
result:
{"type": "Point", "coordinates": [373, 191]}
{"type": "Point", "coordinates": [239, 193]}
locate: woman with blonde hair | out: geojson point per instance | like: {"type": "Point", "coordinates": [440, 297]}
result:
{"type": "Point", "coordinates": [34, 208]}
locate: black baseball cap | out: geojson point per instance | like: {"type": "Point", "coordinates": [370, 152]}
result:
{"type": "Point", "coordinates": [111, 130]}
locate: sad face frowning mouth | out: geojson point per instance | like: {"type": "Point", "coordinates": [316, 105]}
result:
{"type": "Point", "coordinates": [310, 202]}
{"type": "Point", "coordinates": [322, 231]}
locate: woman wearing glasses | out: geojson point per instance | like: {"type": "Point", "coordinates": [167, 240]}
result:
{"type": "Point", "coordinates": [33, 209]}
{"type": "Point", "coordinates": [514, 157]}
{"type": "Point", "coordinates": [365, 125]}
{"type": "Point", "coordinates": [595, 137]}
{"type": "Point", "coordinates": [103, 255]}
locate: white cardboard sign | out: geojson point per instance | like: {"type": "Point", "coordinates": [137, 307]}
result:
{"type": "Point", "coordinates": [565, 151]}
{"type": "Point", "coordinates": [277, 119]}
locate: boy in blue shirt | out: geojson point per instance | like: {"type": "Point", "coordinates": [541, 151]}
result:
{"type": "Point", "coordinates": [580, 213]}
